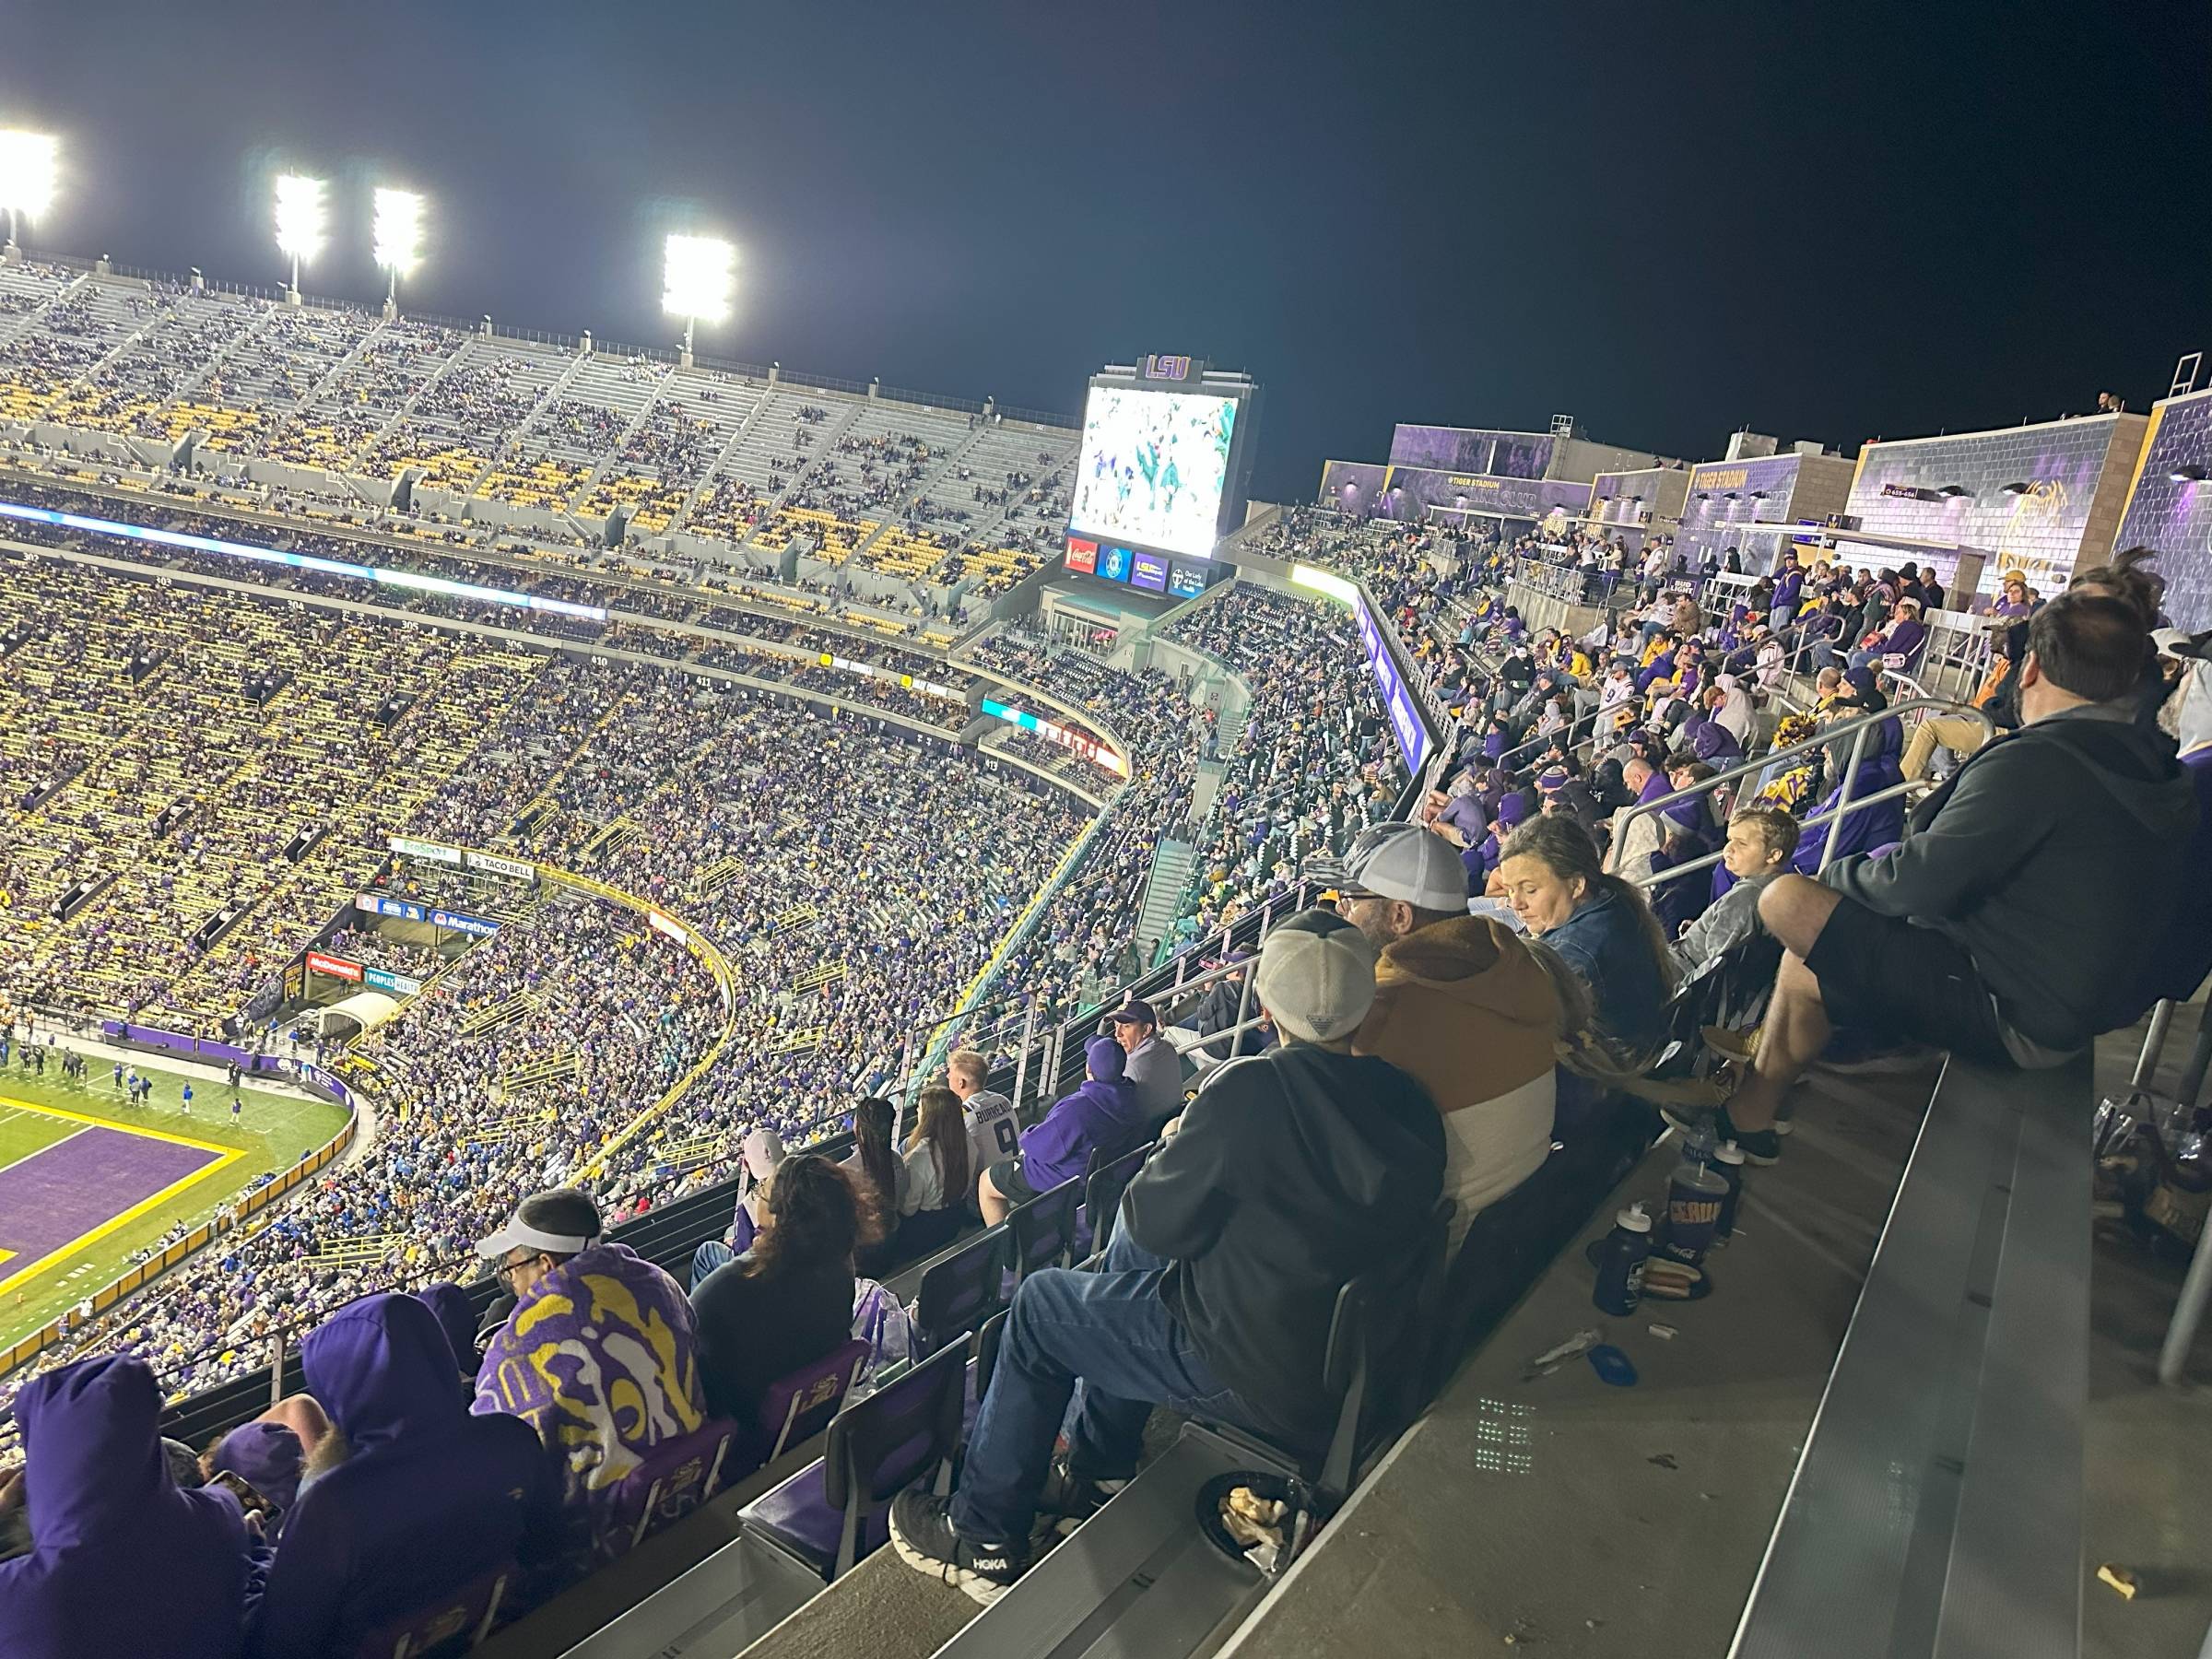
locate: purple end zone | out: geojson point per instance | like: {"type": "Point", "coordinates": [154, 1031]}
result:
{"type": "Point", "coordinates": [65, 1191]}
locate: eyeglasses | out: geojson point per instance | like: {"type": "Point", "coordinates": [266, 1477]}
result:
{"type": "Point", "coordinates": [506, 1271]}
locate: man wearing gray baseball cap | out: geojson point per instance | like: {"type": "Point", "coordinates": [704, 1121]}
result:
{"type": "Point", "coordinates": [1292, 1173]}
{"type": "Point", "coordinates": [1461, 1003]}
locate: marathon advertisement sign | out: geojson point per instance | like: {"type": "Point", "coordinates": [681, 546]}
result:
{"type": "Point", "coordinates": [433, 852]}
{"type": "Point", "coordinates": [514, 868]}
{"type": "Point", "coordinates": [458, 923]}
{"type": "Point", "coordinates": [406, 910]}
{"type": "Point", "coordinates": [336, 967]}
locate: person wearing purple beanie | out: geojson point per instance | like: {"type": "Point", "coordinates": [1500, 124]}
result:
{"type": "Point", "coordinates": [1103, 1114]}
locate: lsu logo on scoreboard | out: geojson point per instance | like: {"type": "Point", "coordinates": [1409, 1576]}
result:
{"type": "Point", "coordinates": [1167, 368]}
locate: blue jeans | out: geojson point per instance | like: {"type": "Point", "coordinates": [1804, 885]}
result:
{"type": "Point", "coordinates": [707, 1257]}
{"type": "Point", "coordinates": [1112, 1330]}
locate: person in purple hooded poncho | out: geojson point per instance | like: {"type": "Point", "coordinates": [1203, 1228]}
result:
{"type": "Point", "coordinates": [415, 1499]}
{"type": "Point", "coordinates": [122, 1559]}
{"type": "Point", "coordinates": [1105, 1114]}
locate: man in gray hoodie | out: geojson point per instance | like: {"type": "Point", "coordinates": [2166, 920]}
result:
{"type": "Point", "coordinates": [2006, 927]}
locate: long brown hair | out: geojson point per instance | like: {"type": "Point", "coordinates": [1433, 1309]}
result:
{"type": "Point", "coordinates": [1564, 847]}
{"type": "Point", "coordinates": [873, 1122]}
{"type": "Point", "coordinates": [937, 1121]}
{"type": "Point", "coordinates": [817, 1213]}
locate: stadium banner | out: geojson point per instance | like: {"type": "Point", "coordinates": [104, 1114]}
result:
{"type": "Point", "coordinates": [663, 923]}
{"type": "Point", "coordinates": [498, 866]}
{"type": "Point", "coordinates": [1472, 449]}
{"type": "Point", "coordinates": [1405, 722]}
{"type": "Point", "coordinates": [336, 967]}
{"type": "Point", "coordinates": [399, 985]}
{"type": "Point", "coordinates": [435, 852]}
{"type": "Point", "coordinates": [379, 904]}
{"type": "Point", "coordinates": [459, 923]}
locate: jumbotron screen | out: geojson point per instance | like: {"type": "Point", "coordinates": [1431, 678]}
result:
{"type": "Point", "coordinates": [1153, 468]}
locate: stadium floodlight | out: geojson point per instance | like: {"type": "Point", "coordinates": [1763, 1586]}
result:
{"type": "Point", "coordinates": [29, 166]}
{"type": "Point", "coordinates": [698, 280]}
{"type": "Point", "coordinates": [298, 222]}
{"type": "Point", "coordinates": [398, 239]}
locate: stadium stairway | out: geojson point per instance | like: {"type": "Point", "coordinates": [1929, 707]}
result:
{"type": "Point", "coordinates": [1171, 879]}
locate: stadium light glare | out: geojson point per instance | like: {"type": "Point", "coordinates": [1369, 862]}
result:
{"type": "Point", "coordinates": [398, 235]}
{"type": "Point", "coordinates": [299, 221]}
{"type": "Point", "coordinates": [29, 165]}
{"type": "Point", "coordinates": [698, 276]}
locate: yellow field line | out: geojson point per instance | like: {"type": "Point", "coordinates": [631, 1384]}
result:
{"type": "Point", "coordinates": [100, 1123]}
{"type": "Point", "coordinates": [84, 1240]}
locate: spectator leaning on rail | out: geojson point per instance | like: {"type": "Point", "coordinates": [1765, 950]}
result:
{"type": "Point", "coordinates": [600, 1355]}
{"type": "Point", "coordinates": [1460, 1006]}
{"type": "Point", "coordinates": [2010, 924]}
{"type": "Point", "coordinates": [1292, 1173]}
{"type": "Point", "coordinates": [116, 1558]}
{"type": "Point", "coordinates": [409, 1498]}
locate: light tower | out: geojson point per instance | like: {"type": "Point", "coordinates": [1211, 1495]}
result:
{"type": "Point", "coordinates": [698, 276]}
{"type": "Point", "coordinates": [298, 223]}
{"type": "Point", "coordinates": [399, 241]}
{"type": "Point", "coordinates": [28, 164]}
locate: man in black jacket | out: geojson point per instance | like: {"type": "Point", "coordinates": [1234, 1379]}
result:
{"type": "Point", "coordinates": [1292, 1172]}
{"type": "Point", "coordinates": [2007, 926]}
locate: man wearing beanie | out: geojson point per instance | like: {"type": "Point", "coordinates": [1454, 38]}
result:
{"type": "Point", "coordinates": [1292, 1173]}
{"type": "Point", "coordinates": [1105, 1114]}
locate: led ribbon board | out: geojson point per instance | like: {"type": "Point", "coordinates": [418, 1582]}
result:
{"type": "Point", "coordinates": [381, 576]}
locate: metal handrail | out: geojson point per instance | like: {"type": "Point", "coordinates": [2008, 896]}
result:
{"type": "Point", "coordinates": [1857, 728]}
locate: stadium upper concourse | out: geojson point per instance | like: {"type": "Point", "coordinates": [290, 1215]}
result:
{"type": "Point", "coordinates": [573, 762]}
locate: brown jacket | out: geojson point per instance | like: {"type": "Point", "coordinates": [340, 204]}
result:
{"type": "Point", "coordinates": [1462, 1006]}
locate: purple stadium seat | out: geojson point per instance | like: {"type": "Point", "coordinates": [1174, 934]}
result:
{"type": "Point", "coordinates": [960, 1292]}
{"type": "Point", "coordinates": [799, 1407]}
{"type": "Point", "coordinates": [453, 1624]}
{"type": "Point", "coordinates": [673, 1479]}
{"type": "Point", "coordinates": [1102, 1190]}
{"type": "Point", "coordinates": [1044, 1230]}
{"type": "Point", "coordinates": [836, 1512]}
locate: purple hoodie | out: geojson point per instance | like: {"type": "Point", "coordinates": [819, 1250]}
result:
{"type": "Point", "coordinates": [1102, 1114]}
{"type": "Point", "coordinates": [123, 1561]}
{"type": "Point", "coordinates": [427, 1498]}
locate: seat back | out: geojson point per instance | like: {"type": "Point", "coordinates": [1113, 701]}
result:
{"type": "Point", "coordinates": [879, 1446]}
{"type": "Point", "coordinates": [960, 1292]}
{"type": "Point", "coordinates": [799, 1406]}
{"type": "Point", "coordinates": [669, 1482]}
{"type": "Point", "coordinates": [453, 1624]}
{"type": "Point", "coordinates": [1044, 1230]}
{"type": "Point", "coordinates": [986, 1352]}
{"type": "Point", "coordinates": [1379, 1318]}
{"type": "Point", "coordinates": [1103, 1196]}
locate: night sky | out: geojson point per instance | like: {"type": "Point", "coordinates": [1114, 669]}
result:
{"type": "Point", "coordinates": [1829, 222]}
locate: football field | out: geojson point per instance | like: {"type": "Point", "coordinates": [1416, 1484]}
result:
{"type": "Point", "coordinates": [87, 1179]}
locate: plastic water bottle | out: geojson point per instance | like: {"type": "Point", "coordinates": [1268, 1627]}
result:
{"type": "Point", "coordinates": [1620, 1261]}
{"type": "Point", "coordinates": [1728, 1164]}
{"type": "Point", "coordinates": [1693, 1211]}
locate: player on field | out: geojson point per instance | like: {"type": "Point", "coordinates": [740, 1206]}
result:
{"type": "Point", "coordinates": [187, 1099]}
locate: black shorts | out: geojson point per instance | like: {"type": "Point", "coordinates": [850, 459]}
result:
{"type": "Point", "coordinates": [1883, 976]}
{"type": "Point", "coordinates": [1013, 1186]}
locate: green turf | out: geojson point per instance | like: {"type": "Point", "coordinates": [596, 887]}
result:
{"type": "Point", "coordinates": [274, 1130]}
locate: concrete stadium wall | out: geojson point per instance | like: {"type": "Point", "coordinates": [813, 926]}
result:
{"type": "Point", "coordinates": [2174, 515]}
{"type": "Point", "coordinates": [2076, 472]}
